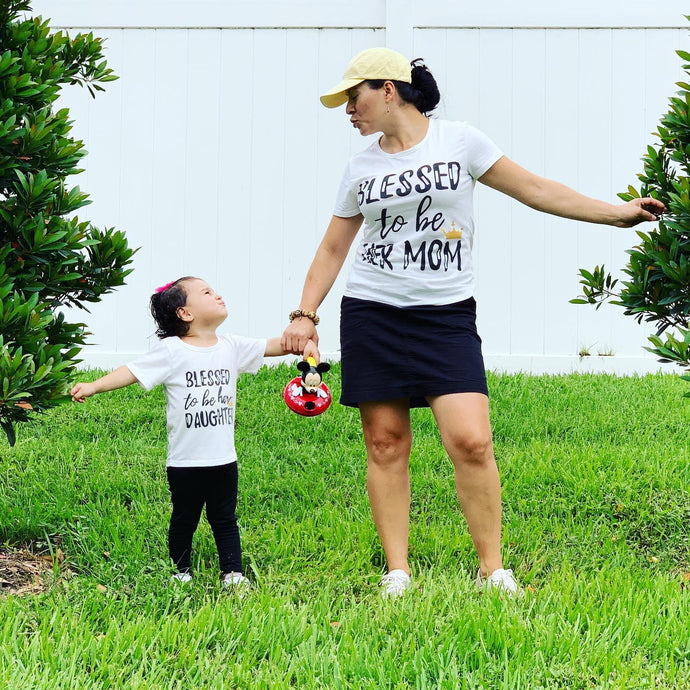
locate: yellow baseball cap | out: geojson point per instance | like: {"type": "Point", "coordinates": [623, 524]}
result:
{"type": "Point", "coordinates": [374, 63]}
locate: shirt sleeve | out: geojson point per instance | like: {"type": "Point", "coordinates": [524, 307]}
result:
{"type": "Point", "coordinates": [154, 367]}
{"type": "Point", "coordinates": [346, 205]}
{"type": "Point", "coordinates": [482, 152]}
{"type": "Point", "coordinates": [249, 353]}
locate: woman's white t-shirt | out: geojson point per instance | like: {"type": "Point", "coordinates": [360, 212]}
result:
{"type": "Point", "coordinates": [200, 390]}
{"type": "Point", "coordinates": [418, 231]}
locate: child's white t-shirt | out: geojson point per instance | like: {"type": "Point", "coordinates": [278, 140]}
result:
{"type": "Point", "coordinates": [418, 231]}
{"type": "Point", "coordinates": [200, 390]}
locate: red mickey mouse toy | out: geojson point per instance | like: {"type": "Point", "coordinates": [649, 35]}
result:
{"type": "Point", "coordinates": [307, 394]}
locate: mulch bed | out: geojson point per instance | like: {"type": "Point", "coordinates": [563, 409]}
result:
{"type": "Point", "coordinates": [22, 572]}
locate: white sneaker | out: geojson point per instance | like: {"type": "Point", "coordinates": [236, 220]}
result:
{"type": "Point", "coordinates": [236, 580]}
{"type": "Point", "coordinates": [395, 584]}
{"type": "Point", "coordinates": [182, 577]}
{"type": "Point", "coordinates": [501, 581]}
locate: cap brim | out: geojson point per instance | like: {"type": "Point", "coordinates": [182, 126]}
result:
{"type": "Point", "coordinates": [338, 94]}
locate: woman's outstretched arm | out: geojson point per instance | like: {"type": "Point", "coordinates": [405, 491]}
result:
{"type": "Point", "coordinates": [555, 198]}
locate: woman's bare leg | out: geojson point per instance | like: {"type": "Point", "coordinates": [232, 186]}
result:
{"type": "Point", "coordinates": [463, 421]}
{"type": "Point", "coordinates": [388, 438]}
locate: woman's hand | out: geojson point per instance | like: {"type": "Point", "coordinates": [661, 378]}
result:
{"type": "Point", "coordinates": [296, 336]}
{"type": "Point", "coordinates": [638, 211]}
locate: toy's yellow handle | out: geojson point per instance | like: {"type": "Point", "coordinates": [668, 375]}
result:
{"type": "Point", "coordinates": [311, 361]}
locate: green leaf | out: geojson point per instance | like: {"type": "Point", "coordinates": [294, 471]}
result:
{"type": "Point", "coordinates": [8, 428]}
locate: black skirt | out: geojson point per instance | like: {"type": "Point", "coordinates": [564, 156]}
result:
{"type": "Point", "coordinates": [388, 352]}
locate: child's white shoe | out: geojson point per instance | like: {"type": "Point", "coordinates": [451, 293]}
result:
{"type": "Point", "coordinates": [236, 581]}
{"type": "Point", "coordinates": [182, 577]}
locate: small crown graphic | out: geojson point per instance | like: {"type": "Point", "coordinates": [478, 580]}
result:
{"type": "Point", "coordinates": [453, 233]}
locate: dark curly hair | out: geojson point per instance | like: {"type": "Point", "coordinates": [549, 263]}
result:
{"type": "Point", "coordinates": [164, 306]}
{"type": "Point", "coordinates": [423, 92]}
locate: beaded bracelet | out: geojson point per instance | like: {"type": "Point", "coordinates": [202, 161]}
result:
{"type": "Point", "coordinates": [308, 314]}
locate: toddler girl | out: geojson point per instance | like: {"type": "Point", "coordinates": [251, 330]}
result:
{"type": "Point", "coordinates": [198, 370]}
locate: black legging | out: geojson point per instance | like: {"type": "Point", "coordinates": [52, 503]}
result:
{"type": "Point", "coordinates": [190, 489]}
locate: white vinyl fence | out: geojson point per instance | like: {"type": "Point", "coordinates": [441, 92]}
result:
{"type": "Point", "coordinates": [214, 155]}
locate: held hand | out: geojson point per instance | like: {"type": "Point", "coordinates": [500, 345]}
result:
{"type": "Point", "coordinates": [640, 210]}
{"type": "Point", "coordinates": [311, 350]}
{"type": "Point", "coordinates": [82, 391]}
{"type": "Point", "coordinates": [296, 335]}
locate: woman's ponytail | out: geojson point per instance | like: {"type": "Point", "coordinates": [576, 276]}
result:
{"type": "Point", "coordinates": [423, 82]}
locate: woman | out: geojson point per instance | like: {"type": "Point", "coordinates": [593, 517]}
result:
{"type": "Point", "coordinates": [408, 335]}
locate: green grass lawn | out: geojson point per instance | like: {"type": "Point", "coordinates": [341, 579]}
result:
{"type": "Point", "coordinates": [596, 478]}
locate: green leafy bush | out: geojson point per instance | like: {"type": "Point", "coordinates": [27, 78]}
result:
{"type": "Point", "coordinates": [656, 288]}
{"type": "Point", "coordinates": [48, 257]}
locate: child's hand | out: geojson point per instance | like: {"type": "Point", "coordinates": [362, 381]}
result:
{"type": "Point", "coordinates": [311, 350]}
{"type": "Point", "coordinates": [82, 391]}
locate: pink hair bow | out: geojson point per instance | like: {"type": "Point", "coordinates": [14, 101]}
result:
{"type": "Point", "coordinates": [163, 288]}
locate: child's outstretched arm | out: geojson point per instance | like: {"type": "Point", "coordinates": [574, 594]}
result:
{"type": "Point", "coordinates": [119, 378]}
{"type": "Point", "coordinates": [274, 349]}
